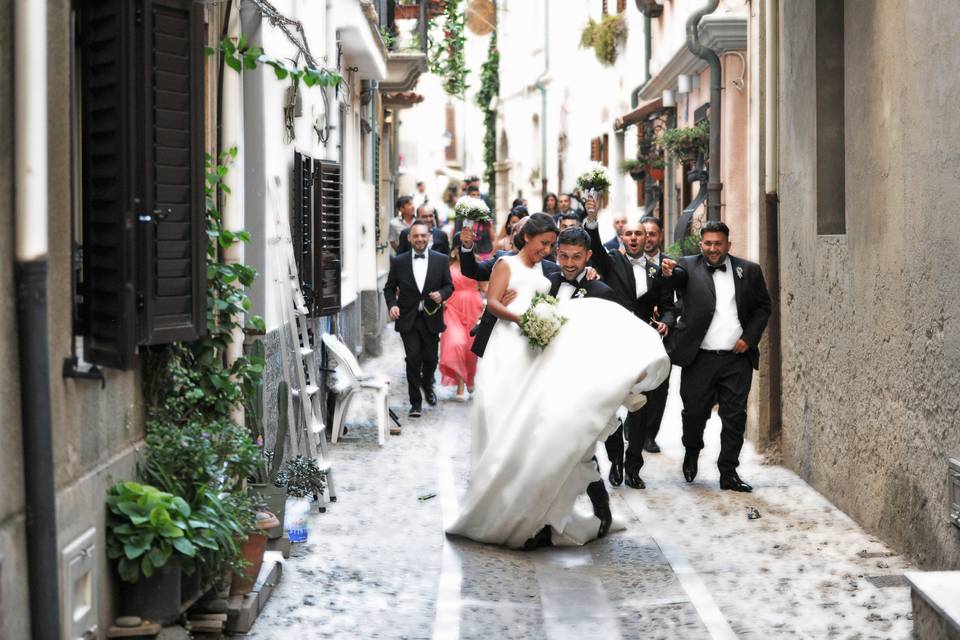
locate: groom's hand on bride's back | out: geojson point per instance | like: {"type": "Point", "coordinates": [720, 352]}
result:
{"type": "Point", "coordinates": [509, 295]}
{"type": "Point", "coordinates": [394, 312]}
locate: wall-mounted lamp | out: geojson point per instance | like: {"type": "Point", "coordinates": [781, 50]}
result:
{"type": "Point", "coordinates": [668, 98]}
{"type": "Point", "coordinates": [683, 83]}
{"type": "Point", "coordinates": [695, 82]}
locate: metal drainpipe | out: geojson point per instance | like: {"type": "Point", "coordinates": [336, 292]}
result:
{"type": "Point", "coordinates": [543, 97]}
{"type": "Point", "coordinates": [714, 185]}
{"type": "Point", "coordinates": [30, 144]}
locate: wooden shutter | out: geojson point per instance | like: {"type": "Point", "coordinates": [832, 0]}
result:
{"type": "Point", "coordinates": [141, 69]}
{"type": "Point", "coordinates": [173, 221]}
{"type": "Point", "coordinates": [605, 150]}
{"type": "Point", "coordinates": [595, 150]}
{"type": "Point", "coordinates": [302, 225]}
{"type": "Point", "coordinates": [107, 80]}
{"type": "Point", "coordinates": [603, 8]}
{"type": "Point", "coordinates": [621, 6]}
{"type": "Point", "coordinates": [328, 201]}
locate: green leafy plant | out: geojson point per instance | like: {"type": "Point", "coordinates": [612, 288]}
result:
{"type": "Point", "coordinates": [686, 144]}
{"type": "Point", "coordinates": [446, 54]}
{"type": "Point", "coordinates": [145, 527]}
{"type": "Point", "coordinates": [605, 37]}
{"type": "Point", "coordinates": [489, 88]}
{"type": "Point", "coordinates": [689, 246]}
{"type": "Point", "coordinates": [303, 477]}
{"type": "Point", "coordinates": [389, 37]}
{"type": "Point", "coordinates": [240, 56]}
{"type": "Point", "coordinates": [631, 165]}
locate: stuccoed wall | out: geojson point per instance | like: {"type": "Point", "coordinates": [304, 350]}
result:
{"type": "Point", "coordinates": [871, 342]}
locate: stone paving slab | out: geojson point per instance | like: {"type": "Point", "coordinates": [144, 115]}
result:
{"type": "Point", "coordinates": [374, 562]}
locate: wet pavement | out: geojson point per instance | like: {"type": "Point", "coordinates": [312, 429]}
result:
{"type": "Point", "coordinates": [690, 565]}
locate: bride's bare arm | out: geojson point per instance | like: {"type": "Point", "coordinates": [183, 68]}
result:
{"type": "Point", "coordinates": [498, 285]}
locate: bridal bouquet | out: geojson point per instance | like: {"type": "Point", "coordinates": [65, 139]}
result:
{"type": "Point", "coordinates": [541, 321]}
{"type": "Point", "coordinates": [473, 209]}
{"type": "Point", "coordinates": [594, 181]}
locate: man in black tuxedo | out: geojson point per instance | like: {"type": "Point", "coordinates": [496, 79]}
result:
{"type": "Point", "coordinates": [725, 310]}
{"type": "Point", "coordinates": [573, 253]}
{"type": "Point", "coordinates": [641, 290]}
{"type": "Point", "coordinates": [481, 273]}
{"type": "Point", "coordinates": [438, 239]}
{"type": "Point", "coordinates": [652, 413]}
{"type": "Point", "coordinates": [418, 283]}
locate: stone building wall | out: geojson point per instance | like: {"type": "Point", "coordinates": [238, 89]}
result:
{"type": "Point", "coordinates": [871, 342]}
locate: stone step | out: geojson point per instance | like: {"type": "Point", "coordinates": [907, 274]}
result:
{"type": "Point", "coordinates": [936, 604]}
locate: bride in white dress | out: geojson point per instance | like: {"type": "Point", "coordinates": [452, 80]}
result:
{"type": "Point", "coordinates": [539, 414]}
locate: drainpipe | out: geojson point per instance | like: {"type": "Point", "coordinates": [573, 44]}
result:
{"type": "Point", "coordinates": [541, 86]}
{"type": "Point", "coordinates": [771, 76]}
{"type": "Point", "coordinates": [30, 211]}
{"type": "Point", "coordinates": [232, 205]}
{"type": "Point", "coordinates": [714, 185]}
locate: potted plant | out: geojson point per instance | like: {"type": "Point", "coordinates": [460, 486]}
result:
{"type": "Point", "coordinates": [655, 168]}
{"type": "Point", "coordinates": [253, 549]}
{"type": "Point", "coordinates": [149, 533]}
{"type": "Point", "coordinates": [633, 167]}
{"type": "Point", "coordinates": [688, 143]}
{"type": "Point", "coordinates": [604, 37]}
{"type": "Point", "coordinates": [304, 479]}
{"type": "Point", "coordinates": [267, 492]}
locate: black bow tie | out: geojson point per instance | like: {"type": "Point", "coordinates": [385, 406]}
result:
{"type": "Point", "coordinates": [717, 267]}
{"type": "Point", "coordinates": [419, 255]}
{"type": "Point", "coordinates": [572, 283]}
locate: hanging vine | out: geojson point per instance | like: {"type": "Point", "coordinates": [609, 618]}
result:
{"type": "Point", "coordinates": [489, 88]}
{"type": "Point", "coordinates": [446, 59]}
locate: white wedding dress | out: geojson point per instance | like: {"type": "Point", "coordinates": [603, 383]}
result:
{"type": "Point", "coordinates": [539, 414]}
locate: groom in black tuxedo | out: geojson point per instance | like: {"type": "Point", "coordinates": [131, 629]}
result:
{"type": "Point", "coordinates": [725, 310]}
{"type": "Point", "coordinates": [637, 281]}
{"type": "Point", "coordinates": [418, 283]}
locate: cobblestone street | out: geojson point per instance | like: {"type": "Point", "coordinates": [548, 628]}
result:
{"type": "Point", "coordinates": [690, 565]}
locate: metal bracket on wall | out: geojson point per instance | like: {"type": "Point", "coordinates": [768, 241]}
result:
{"type": "Point", "coordinates": [72, 369]}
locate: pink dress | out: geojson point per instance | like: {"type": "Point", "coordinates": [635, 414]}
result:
{"type": "Point", "coordinates": [461, 312]}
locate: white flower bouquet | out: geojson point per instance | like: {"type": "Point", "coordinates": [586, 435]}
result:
{"type": "Point", "coordinates": [473, 209]}
{"type": "Point", "coordinates": [594, 181]}
{"type": "Point", "coordinates": [541, 321]}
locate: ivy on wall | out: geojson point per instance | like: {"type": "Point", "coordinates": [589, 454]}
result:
{"type": "Point", "coordinates": [489, 87]}
{"type": "Point", "coordinates": [446, 58]}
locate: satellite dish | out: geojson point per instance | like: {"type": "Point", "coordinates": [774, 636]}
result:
{"type": "Point", "coordinates": [481, 17]}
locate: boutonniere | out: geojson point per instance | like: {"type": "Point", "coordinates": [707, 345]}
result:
{"type": "Point", "coordinates": [740, 272]}
{"type": "Point", "coordinates": [652, 271]}
{"type": "Point", "coordinates": [581, 292]}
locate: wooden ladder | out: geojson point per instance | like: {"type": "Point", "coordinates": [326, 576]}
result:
{"type": "Point", "coordinates": [299, 347]}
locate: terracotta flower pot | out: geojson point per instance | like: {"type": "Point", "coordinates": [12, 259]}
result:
{"type": "Point", "coordinates": [253, 549]}
{"type": "Point", "coordinates": [655, 173]}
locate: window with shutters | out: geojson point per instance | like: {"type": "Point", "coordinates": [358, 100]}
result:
{"type": "Point", "coordinates": [603, 7]}
{"type": "Point", "coordinates": [301, 225]}
{"type": "Point", "coordinates": [621, 6]}
{"type": "Point", "coordinates": [328, 199]}
{"type": "Point", "coordinates": [595, 150]}
{"type": "Point", "coordinates": [140, 148]}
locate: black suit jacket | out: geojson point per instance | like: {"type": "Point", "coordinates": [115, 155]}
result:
{"type": "Point", "coordinates": [617, 270]}
{"type": "Point", "coordinates": [590, 288]}
{"type": "Point", "coordinates": [481, 273]}
{"type": "Point", "coordinates": [401, 290]}
{"type": "Point", "coordinates": [441, 244]}
{"type": "Point", "coordinates": [611, 245]}
{"type": "Point", "coordinates": [692, 279]}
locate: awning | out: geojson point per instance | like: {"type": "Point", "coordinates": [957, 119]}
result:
{"type": "Point", "coordinates": [639, 114]}
{"type": "Point", "coordinates": [402, 99]}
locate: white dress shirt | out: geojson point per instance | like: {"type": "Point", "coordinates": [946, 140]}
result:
{"type": "Point", "coordinates": [566, 290]}
{"type": "Point", "coordinates": [725, 328]}
{"type": "Point", "coordinates": [420, 268]}
{"type": "Point", "coordinates": [639, 274]}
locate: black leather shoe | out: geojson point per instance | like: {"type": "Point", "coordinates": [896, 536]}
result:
{"type": "Point", "coordinates": [430, 397]}
{"type": "Point", "coordinates": [690, 459]}
{"type": "Point", "coordinates": [651, 446]}
{"type": "Point", "coordinates": [633, 480]}
{"type": "Point", "coordinates": [542, 539]}
{"type": "Point", "coordinates": [415, 412]}
{"type": "Point", "coordinates": [732, 482]}
{"type": "Point", "coordinates": [616, 473]}
{"type": "Point", "coordinates": [601, 506]}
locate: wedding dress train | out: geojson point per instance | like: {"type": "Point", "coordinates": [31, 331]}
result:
{"type": "Point", "coordinates": [539, 414]}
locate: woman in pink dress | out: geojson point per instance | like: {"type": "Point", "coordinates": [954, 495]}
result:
{"type": "Point", "coordinates": [458, 364]}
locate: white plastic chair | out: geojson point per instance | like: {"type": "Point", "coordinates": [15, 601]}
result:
{"type": "Point", "coordinates": [351, 379]}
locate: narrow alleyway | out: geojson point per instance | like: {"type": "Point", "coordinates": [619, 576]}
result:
{"type": "Point", "coordinates": [690, 565]}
